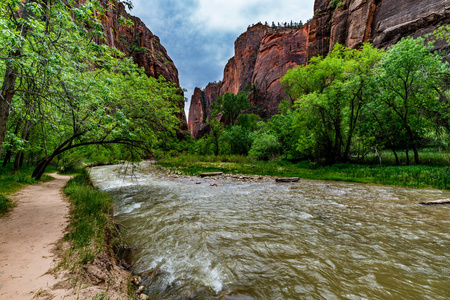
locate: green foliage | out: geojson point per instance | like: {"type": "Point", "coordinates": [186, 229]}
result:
{"type": "Point", "coordinates": [235, 140]}
{"type": "Point", "coordinates": [5, 204]}
{"type": "Point", "coordinates": [334, 4]}
{"type": "Point", "coordinates": [282, 126]}
{"type": "Point", "coordinates": [72, 92]}
{"type": "Point", "coordinates": [249, 121]}
{"type": "Point", "coordinates": [231, 106]}
{"type": "Point", "coordinates": [330, 94]}
{"type": "Point", "coordinates": [408, 83]}
{"type": "Point", "coordinates": [265, 146]}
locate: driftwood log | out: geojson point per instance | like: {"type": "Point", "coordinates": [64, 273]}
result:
{"type": "Point", "coordinates": [211, 174]}
{"type": "Point", "coordinates": [443, 201]}
{"type": "Point", "coordinates": [288, 179]}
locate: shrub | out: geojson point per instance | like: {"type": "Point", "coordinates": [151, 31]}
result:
{"type": "Point", "coordinates": [235, 140]}
{"type": "Point", "coordinates": [265, 146]}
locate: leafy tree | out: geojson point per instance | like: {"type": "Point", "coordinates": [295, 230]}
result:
{"type": "Point", "coordinates": [235, 140]}
{"type": "Point", "coordinates": [249, 121]}
{"type": "Point", "coordinates": [330, 93]}
{"type": "Point", "coordinates": [282, 126]}
{"type": "Point", "coordinates": [408, 79]}
{"type": "Point", "coordinates": [75, 93]}
{"type": "Point", "coordinates": [265, 146]}
{"type": "Point", "coordinates": [231, 106]}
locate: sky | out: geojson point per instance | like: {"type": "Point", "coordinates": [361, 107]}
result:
{"type": "Point", "coordinates": [199, 35]}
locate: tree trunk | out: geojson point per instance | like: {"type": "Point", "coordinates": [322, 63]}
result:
{"type": "Point", "coordinates": [9, 152]}
{"type": "Point", "coordinates": [6, 95]}
{"type": "Point", "coordinates": [40, 169]}
{"type": "Point", "coordinates": [7, 158]}
{"type": "Point", "coordinates": [17, 161]}
{"type": "Point", "coordinates": [397, 161]}
{"type": "Point", "coordinates": [413, 143]}
{"type": "Point", "coordinates": [9, 80]}
{"type": "Point", "coordinates": [407, 156]}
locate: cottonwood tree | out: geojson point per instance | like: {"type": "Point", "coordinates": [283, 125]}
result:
{"type": "Point", "coordinates": [407, 81]}
{"type": "Point", "coordinates": [330, 93]}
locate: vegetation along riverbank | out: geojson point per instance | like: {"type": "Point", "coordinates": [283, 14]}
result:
{"type": "Point", "coordinates": [435, 176]}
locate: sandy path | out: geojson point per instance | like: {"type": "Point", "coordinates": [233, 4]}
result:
{"type": "Point", "coordinates": [28, 235]}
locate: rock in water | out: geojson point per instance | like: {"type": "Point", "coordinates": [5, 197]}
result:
{"type": "Point", "coordinates": [211, 174]}
{"type": "Point", "coordinates": [288, 179]}
{"type": "Point", "coordinates": [443, 201]}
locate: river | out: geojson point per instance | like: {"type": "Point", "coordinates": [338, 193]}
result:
{"type": "Point", "coordinates": [232, 239]}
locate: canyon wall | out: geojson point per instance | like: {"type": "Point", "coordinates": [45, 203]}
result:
{"type": "Point", "coordinates": [380, 22]}
{"type": "Point", "coordinates": [263, 54]}
{"type": "Point", "coordinates": [139, 42]}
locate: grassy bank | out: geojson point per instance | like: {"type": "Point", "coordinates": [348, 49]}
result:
{"type": "Point", "coordinates": [92, 230]}
{"type": "Point", "coordinates": [12, 182]}
{"type": "Point", "coordinates": [411, 176]}
{"type": "Point", "coordinates": [93, 237]}
{"type": "Point", "coordinates": [90, 214]}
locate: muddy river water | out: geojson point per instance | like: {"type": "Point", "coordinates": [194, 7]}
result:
{"type": "Point", "coordinates": [233, 239]}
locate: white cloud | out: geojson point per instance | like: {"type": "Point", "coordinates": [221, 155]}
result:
{"type": "Point", "coordinates": [236, 15]}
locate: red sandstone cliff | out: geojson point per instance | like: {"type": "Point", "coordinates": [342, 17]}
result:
{"type": "Point", "coordinates": [380, 22]}
{"type": "Point", "coordinates": [263, 55]}
{"type": "Point", "coordinates": [140, 43]}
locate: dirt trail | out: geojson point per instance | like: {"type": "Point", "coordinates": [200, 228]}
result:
{"type": "Point", "coordinates": [28, 235]}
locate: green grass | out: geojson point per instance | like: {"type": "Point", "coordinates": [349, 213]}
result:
{"type": "Point", "coordinates": [411, 176]}
{"type": "Point", "coordinates": [13, 182]}
{"type": "Point", "coordinates": [90, 219]}
{"type": "Point", "coordinates": [92, 231]}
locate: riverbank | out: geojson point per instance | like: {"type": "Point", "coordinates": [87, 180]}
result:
{"type": "Point", "coordinates": [92, 251]}
{"type": "Point", "coordinates": [419, 176]}
{"type": "Point", "coordinates": [61, 247]}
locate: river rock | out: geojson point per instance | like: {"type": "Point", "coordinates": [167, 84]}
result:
{"type": "Point", "coordinates": [136, 280]}
{"type": "Point", "coordinates": [287, 179]}
{"type": "Point", "coordinates": [443, 201]}
{"type": "Point", "coordinates": [211, 174]}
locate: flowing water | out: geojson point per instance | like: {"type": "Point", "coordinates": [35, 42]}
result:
{"type": "Point", "coordinates": [265, 240]}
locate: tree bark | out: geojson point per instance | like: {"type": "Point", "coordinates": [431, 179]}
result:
{"type": "Point", "coordinates": [7, 158]}
{"type": "Point", "coordinates": [8, 90]}
{"type": "Point", "coordinates": [6, 95]}
{"type": "Point", "coordinates": [18, 161]}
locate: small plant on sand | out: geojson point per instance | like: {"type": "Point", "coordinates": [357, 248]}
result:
{"type": "Point", "coordinates": [5, 204]}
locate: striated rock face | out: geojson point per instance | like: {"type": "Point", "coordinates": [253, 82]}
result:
{"type": "Point", "coordinates": [137, 41]}
{"type": "Point", "coordinates": [200, 109]}
{"type": "Point", "coordinates": [278, 52]}
{"type": "Point", "coordinates": [239, 70]}
{"type": "Point", "coordinates": [140, 43]}
{"type": "Point", "coordinates": [262, 57]}
{"type": "Point", "coordinates": [380, 22]}
{"type": "Point", "coordinates": [263, 54]}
